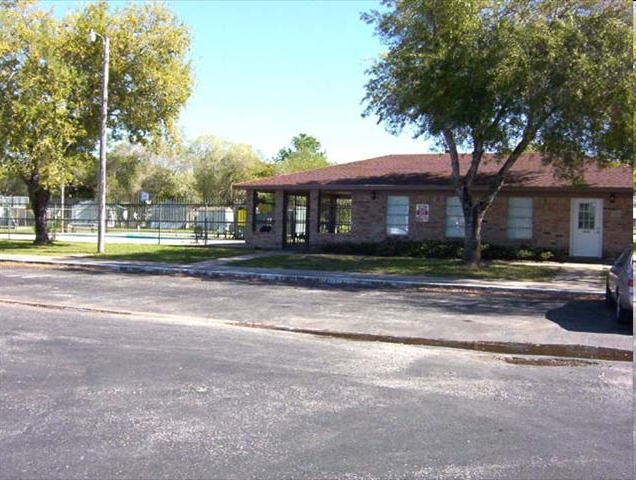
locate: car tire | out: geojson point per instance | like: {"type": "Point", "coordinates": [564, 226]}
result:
{"type": "Point", "coordinates": [622, 316]}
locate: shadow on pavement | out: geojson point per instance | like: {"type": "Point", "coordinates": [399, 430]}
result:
{"type": "Point", "coordinates": [591, 316]}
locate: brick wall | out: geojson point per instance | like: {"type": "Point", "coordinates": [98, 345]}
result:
{"type": "Point", "coordinates": [617, 225]}
{"type": "Point", "coordinates": [550, 228]}
{"type": "Point", "coordinates": [551, 222]}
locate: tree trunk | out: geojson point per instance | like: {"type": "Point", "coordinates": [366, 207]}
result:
{"type": "Point", "coordinates": [39, 198]}
{"type": "Point", "coordinates": [473, 219]}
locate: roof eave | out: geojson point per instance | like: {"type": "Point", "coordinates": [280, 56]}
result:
{"type": "Point", "coordinates": [410, 188]}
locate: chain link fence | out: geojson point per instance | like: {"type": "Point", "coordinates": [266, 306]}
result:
{"type": "Point", "coordinates": [198, 222]}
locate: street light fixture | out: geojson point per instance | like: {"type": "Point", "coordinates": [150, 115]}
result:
{"type": "Point", "coordinates": [101, 186]}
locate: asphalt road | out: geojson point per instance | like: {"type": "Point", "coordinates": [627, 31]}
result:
{"type": "Point", "coordinates": [415, 313]}
{"type": "Point", "coordinates": [174, 393]}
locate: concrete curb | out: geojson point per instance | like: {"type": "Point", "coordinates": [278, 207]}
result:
{"type": "Point", "coordinates": [308, 279]}
{"type": "Point", "coordinates": [539, 349]}
{"type": "Point", "coordinates": [348, 281]}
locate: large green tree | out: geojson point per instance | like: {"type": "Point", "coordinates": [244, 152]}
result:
{"type": "Point", "coordinates": [504, 76]}
{"type": "Point", "coordinates": [217, 165]}
{"type": "Point", "coordinates": [39, 124]}
{"type": "Point", "coordinates": [50, 88]}
{"type": "Point", "coordinates": [161, 172]}
{"type": "Point", "coordinates": [304, 154]}
{"type": "Point", "coordinates": [126, 168]}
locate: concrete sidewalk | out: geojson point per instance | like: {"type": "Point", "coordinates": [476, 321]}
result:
{"type": "Point", "coordinates": [575, 283]}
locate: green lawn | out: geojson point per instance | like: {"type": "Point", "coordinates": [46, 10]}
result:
{"type": "Point", "coordinates": [124, 251]}
{"type": "Point", "coordinates": [403, 266]}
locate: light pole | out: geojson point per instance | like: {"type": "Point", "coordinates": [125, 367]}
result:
{"type": "Point", "coordinates": [101, 184]}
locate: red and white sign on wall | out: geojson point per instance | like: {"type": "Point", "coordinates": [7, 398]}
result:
{"type": "Point", "coordinates": [422, 212]}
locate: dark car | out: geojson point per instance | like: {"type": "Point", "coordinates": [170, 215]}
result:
{"type": "Point", "coordinates": [619, 287]}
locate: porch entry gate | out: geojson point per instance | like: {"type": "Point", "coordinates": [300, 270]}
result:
{"type": "Point", "coordinates": [296, 219]}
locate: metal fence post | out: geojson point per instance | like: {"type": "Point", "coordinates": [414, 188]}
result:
{"type": "Point", "coordinates": [205, 225]}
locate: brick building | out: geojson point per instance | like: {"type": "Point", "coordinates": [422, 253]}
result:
{"type": "Point", "coordinates": [411, 197]}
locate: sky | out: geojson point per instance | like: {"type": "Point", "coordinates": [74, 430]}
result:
{"type": "Point", "coordinates": [265, 71]}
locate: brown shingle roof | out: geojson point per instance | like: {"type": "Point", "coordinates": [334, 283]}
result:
{"type": "Point", "coordinates": [433, 170]}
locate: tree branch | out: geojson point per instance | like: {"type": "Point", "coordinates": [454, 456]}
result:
{"type": "Point", "coordinates": [478, 153]}
{"type": "Point", "coordinates": [452, 150]}
{"type": "Point", "coordinates": [496, 186]}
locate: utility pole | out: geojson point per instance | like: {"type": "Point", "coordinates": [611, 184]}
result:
{"type": "Point", "coordinates": [101, 184]}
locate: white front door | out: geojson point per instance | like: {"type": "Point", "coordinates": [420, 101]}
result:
{"type": "Point", "coordinates": [587, 227]}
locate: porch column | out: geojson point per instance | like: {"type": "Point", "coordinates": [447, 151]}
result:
{"type": "Point", "coordinates": [313, 212]}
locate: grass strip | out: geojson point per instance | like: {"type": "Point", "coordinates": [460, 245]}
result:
{"type": "Point", "coordinates": [494, 270]}
{"type": "Point", "coordinates": [124, 251]}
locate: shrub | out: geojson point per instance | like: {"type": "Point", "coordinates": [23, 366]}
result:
{"type": "Point", "coordinates": [392, 247]}
{"type": "Point", "coordinates": [547, 256]}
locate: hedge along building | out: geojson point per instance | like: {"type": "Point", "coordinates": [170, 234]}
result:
{"type": "Point", "coordinates": [411, 197]}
